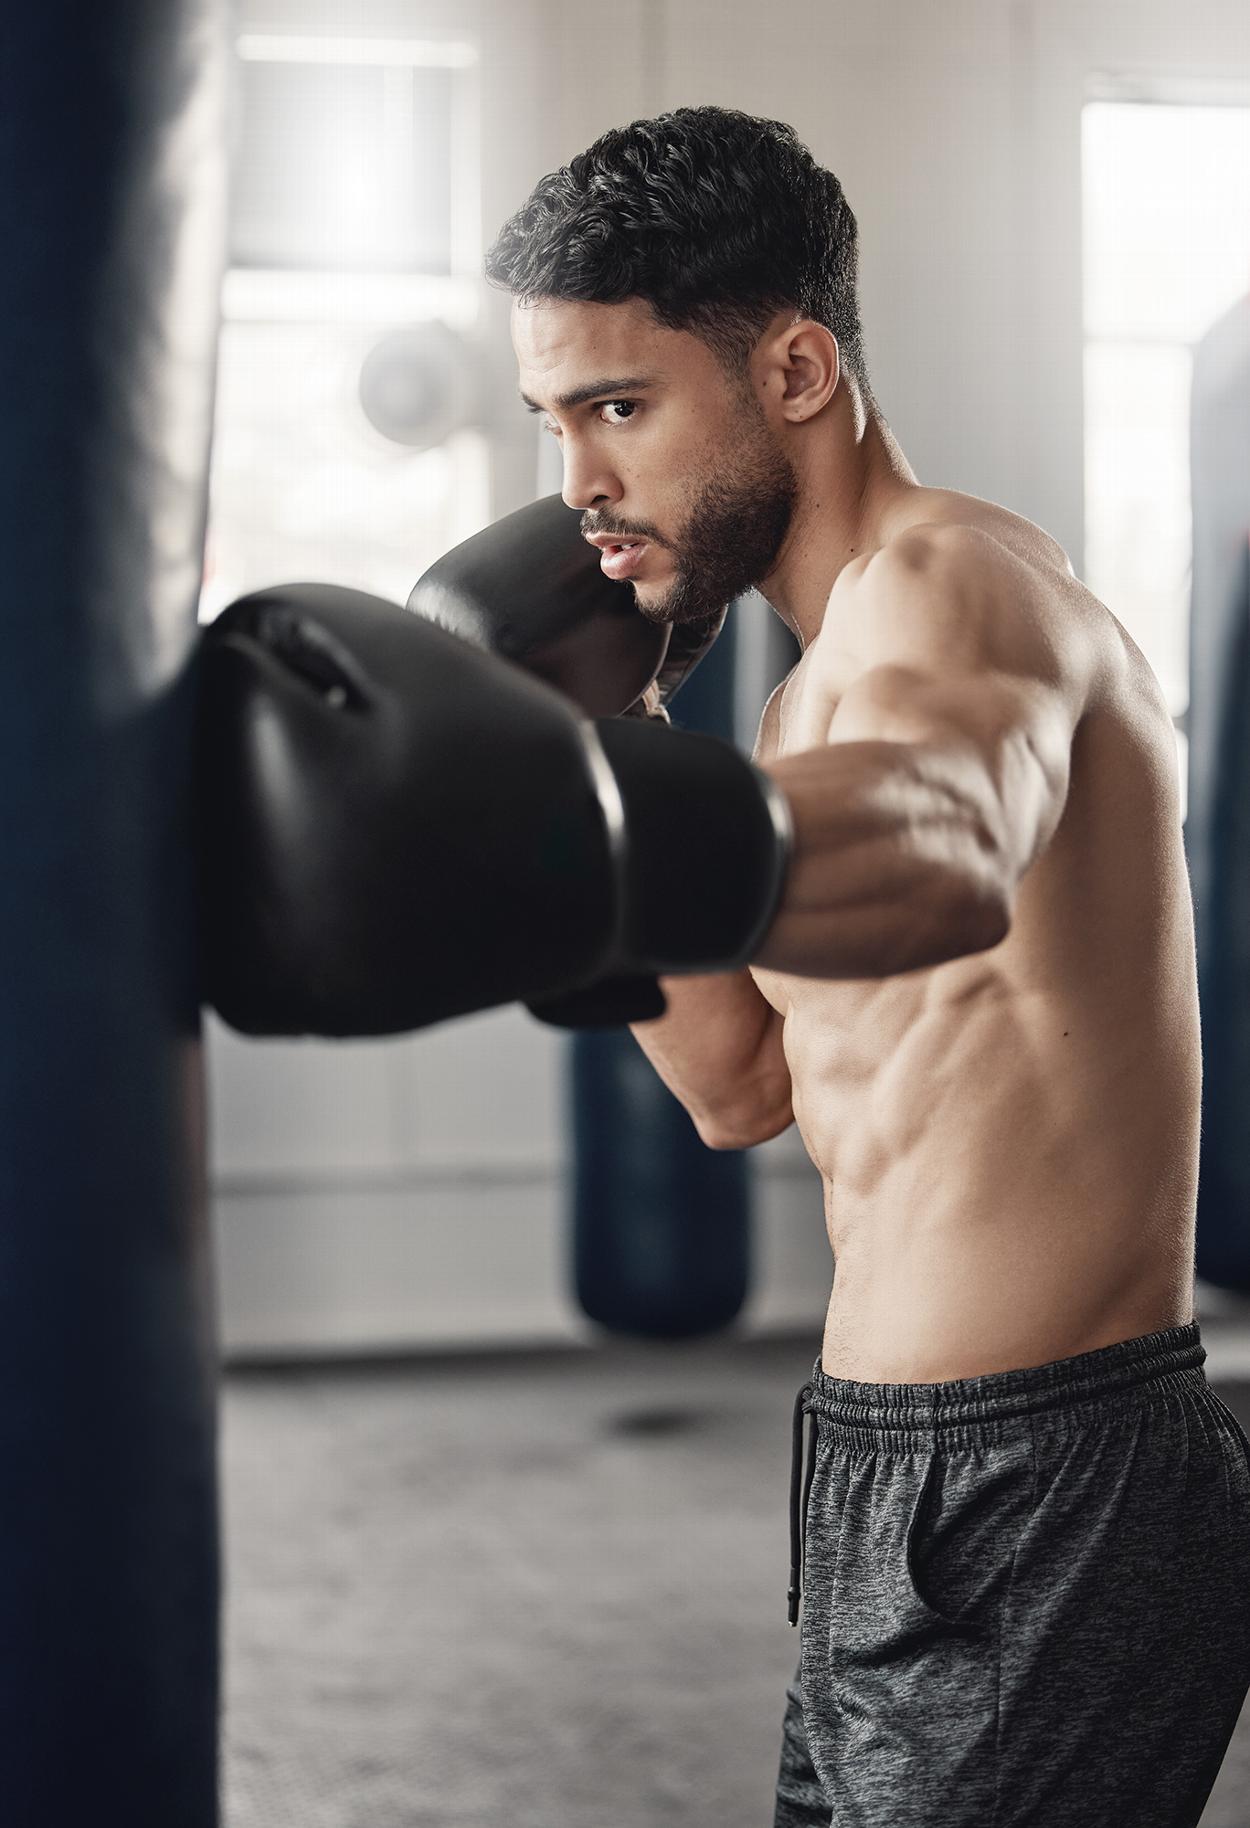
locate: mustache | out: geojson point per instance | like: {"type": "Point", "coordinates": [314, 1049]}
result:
{"type": "Point", "coordinates": [606, 530]}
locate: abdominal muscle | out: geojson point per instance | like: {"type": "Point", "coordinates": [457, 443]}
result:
{"type": "Point", "coordinates": [1007, 1181]}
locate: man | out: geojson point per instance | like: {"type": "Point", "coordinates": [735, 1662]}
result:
{"type": "Point", "coordinates": [1027, 1516]}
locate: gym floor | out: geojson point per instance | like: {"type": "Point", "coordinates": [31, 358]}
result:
{"type": "Point", "coordinates": [541, 1590]}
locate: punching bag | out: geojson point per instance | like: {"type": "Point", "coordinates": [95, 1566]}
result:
{"type": "Point", "coordinates": [661, 1223]}
{"type": "Point", "coordinates": [112, 188]}
{"type": "Point", "coordinates": [1217, 829]}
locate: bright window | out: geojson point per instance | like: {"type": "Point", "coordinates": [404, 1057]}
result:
{"type": "Point", "coordinates": [354, 211]}
{"type": "Point", "coordinates": [1166, 252]}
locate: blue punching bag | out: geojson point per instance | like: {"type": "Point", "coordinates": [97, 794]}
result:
{"type": "Point", "coordinates": [1223, 1239]}
{"type": "Point", "coordinates": [1217, 830]}
{"type": "Point", "coordinates": [661, 1223]}
{"type": "Point", "coordinates": [112, 193]}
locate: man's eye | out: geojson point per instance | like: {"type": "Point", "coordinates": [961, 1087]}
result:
{"type": "Point", "coordinates": [549, 427]}
{"type": "Point", "coordinates": [624, 407]}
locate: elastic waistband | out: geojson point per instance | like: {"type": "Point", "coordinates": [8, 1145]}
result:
{"type": "Point", "coordinates": [981, 1405]}
{"type": "Point", "coordinates": [969, 1411]}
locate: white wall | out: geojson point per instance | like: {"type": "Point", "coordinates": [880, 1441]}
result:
{"type": "Point", "coordinates": [410, 1193]}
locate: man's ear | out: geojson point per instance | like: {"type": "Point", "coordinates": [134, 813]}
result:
{"type": "Point", "coordinates": [804, 365]}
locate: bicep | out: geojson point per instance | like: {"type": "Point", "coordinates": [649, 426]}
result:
{"type": "Point", "coordinates": [1009, 738]}
{"type": "Point", "coordinates": [984, 711]}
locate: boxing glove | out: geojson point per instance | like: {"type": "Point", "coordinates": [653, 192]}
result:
{"type": "Point", "coordinates": [529, 588]}
{"type": "Point", "coordinates": [395, 828]}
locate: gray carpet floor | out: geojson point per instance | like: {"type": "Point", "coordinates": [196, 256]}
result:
{"type": "Point", "coordinates": [520, 1592]}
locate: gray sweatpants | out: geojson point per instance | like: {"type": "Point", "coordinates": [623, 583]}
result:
{"type": "Point", "coordinates": [1026, 1597]}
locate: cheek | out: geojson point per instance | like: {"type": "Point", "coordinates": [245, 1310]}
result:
{"type": "Point", "coordinates": [667, 472]}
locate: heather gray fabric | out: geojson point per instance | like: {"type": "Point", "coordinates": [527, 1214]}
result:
{"type": "Point", "coordinates": [1026, 1597]}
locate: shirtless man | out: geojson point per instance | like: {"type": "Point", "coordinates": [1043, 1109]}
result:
{"type": "Point", "coordinates": [1026, 1516]}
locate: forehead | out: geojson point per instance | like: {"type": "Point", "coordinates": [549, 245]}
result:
{"type": "Point", "coordinates": [565, 343]}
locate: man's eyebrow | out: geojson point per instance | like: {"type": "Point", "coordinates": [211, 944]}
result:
{"type": "Point", "coordinates": [610, 389]}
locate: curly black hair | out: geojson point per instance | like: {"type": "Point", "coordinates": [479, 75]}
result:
{"type": "Point", "coordinates": [717, 219]}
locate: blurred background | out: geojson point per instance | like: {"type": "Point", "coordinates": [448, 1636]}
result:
{"type": "Point", "coordinates": [488, 1560]}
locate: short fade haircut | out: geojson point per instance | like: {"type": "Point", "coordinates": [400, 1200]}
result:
{"type": "Point", "coordinates": [716, 219]}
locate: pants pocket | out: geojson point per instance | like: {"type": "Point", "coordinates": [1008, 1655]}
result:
{"type": "Point", "coordinates": [901, 1654]}
{"type": "Point", "coordinates": [961, 1536]}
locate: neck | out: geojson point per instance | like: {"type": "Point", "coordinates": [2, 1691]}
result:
{"type": "Point", "coordinates": [853, 481]}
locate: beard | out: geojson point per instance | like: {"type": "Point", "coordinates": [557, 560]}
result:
{"type": "Point", "coordinates": [733, 533]}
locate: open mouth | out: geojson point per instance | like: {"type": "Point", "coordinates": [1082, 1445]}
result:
{"type": "Point", "coordinates": [622, 558]}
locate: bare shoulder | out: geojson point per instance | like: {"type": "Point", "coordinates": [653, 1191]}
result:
{"type": "Point", "coordinates": [981, 592]}
{"type": "Point", "coordinates": [1029, 542]}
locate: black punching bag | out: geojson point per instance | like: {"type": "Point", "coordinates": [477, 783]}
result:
{"type": "Point", "coordinates": [112, 188]}
{"type": "Point", "coordinates": [661, 1223]}
{"type": "Point", "coordinates": [1217, 829]}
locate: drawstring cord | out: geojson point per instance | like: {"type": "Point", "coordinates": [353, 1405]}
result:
{"type": "Point", "coordinates": [800, 1489]}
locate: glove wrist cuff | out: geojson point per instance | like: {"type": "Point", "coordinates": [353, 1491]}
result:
{"type": "Point", "coordinates": [773, 885]}
{"type": "Point", "coordinates": [706, 846]}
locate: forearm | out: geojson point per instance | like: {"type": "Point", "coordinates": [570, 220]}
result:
{"type": "Point", "coordinates": [718, 1050]}
{"type": "Point", "coordinates": [897, 863]}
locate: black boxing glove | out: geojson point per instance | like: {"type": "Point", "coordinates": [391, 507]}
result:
{"type": "Point", "coordinates": [529, 588]}
{"type": "Point", "coordinates": [395, 829]}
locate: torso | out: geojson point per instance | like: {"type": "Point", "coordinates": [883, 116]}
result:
{"type": "Point", "coordinates": [1008, 1142]}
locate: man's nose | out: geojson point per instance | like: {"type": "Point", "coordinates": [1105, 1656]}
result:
{"type": "Point", "coordinates": [588, 482]}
